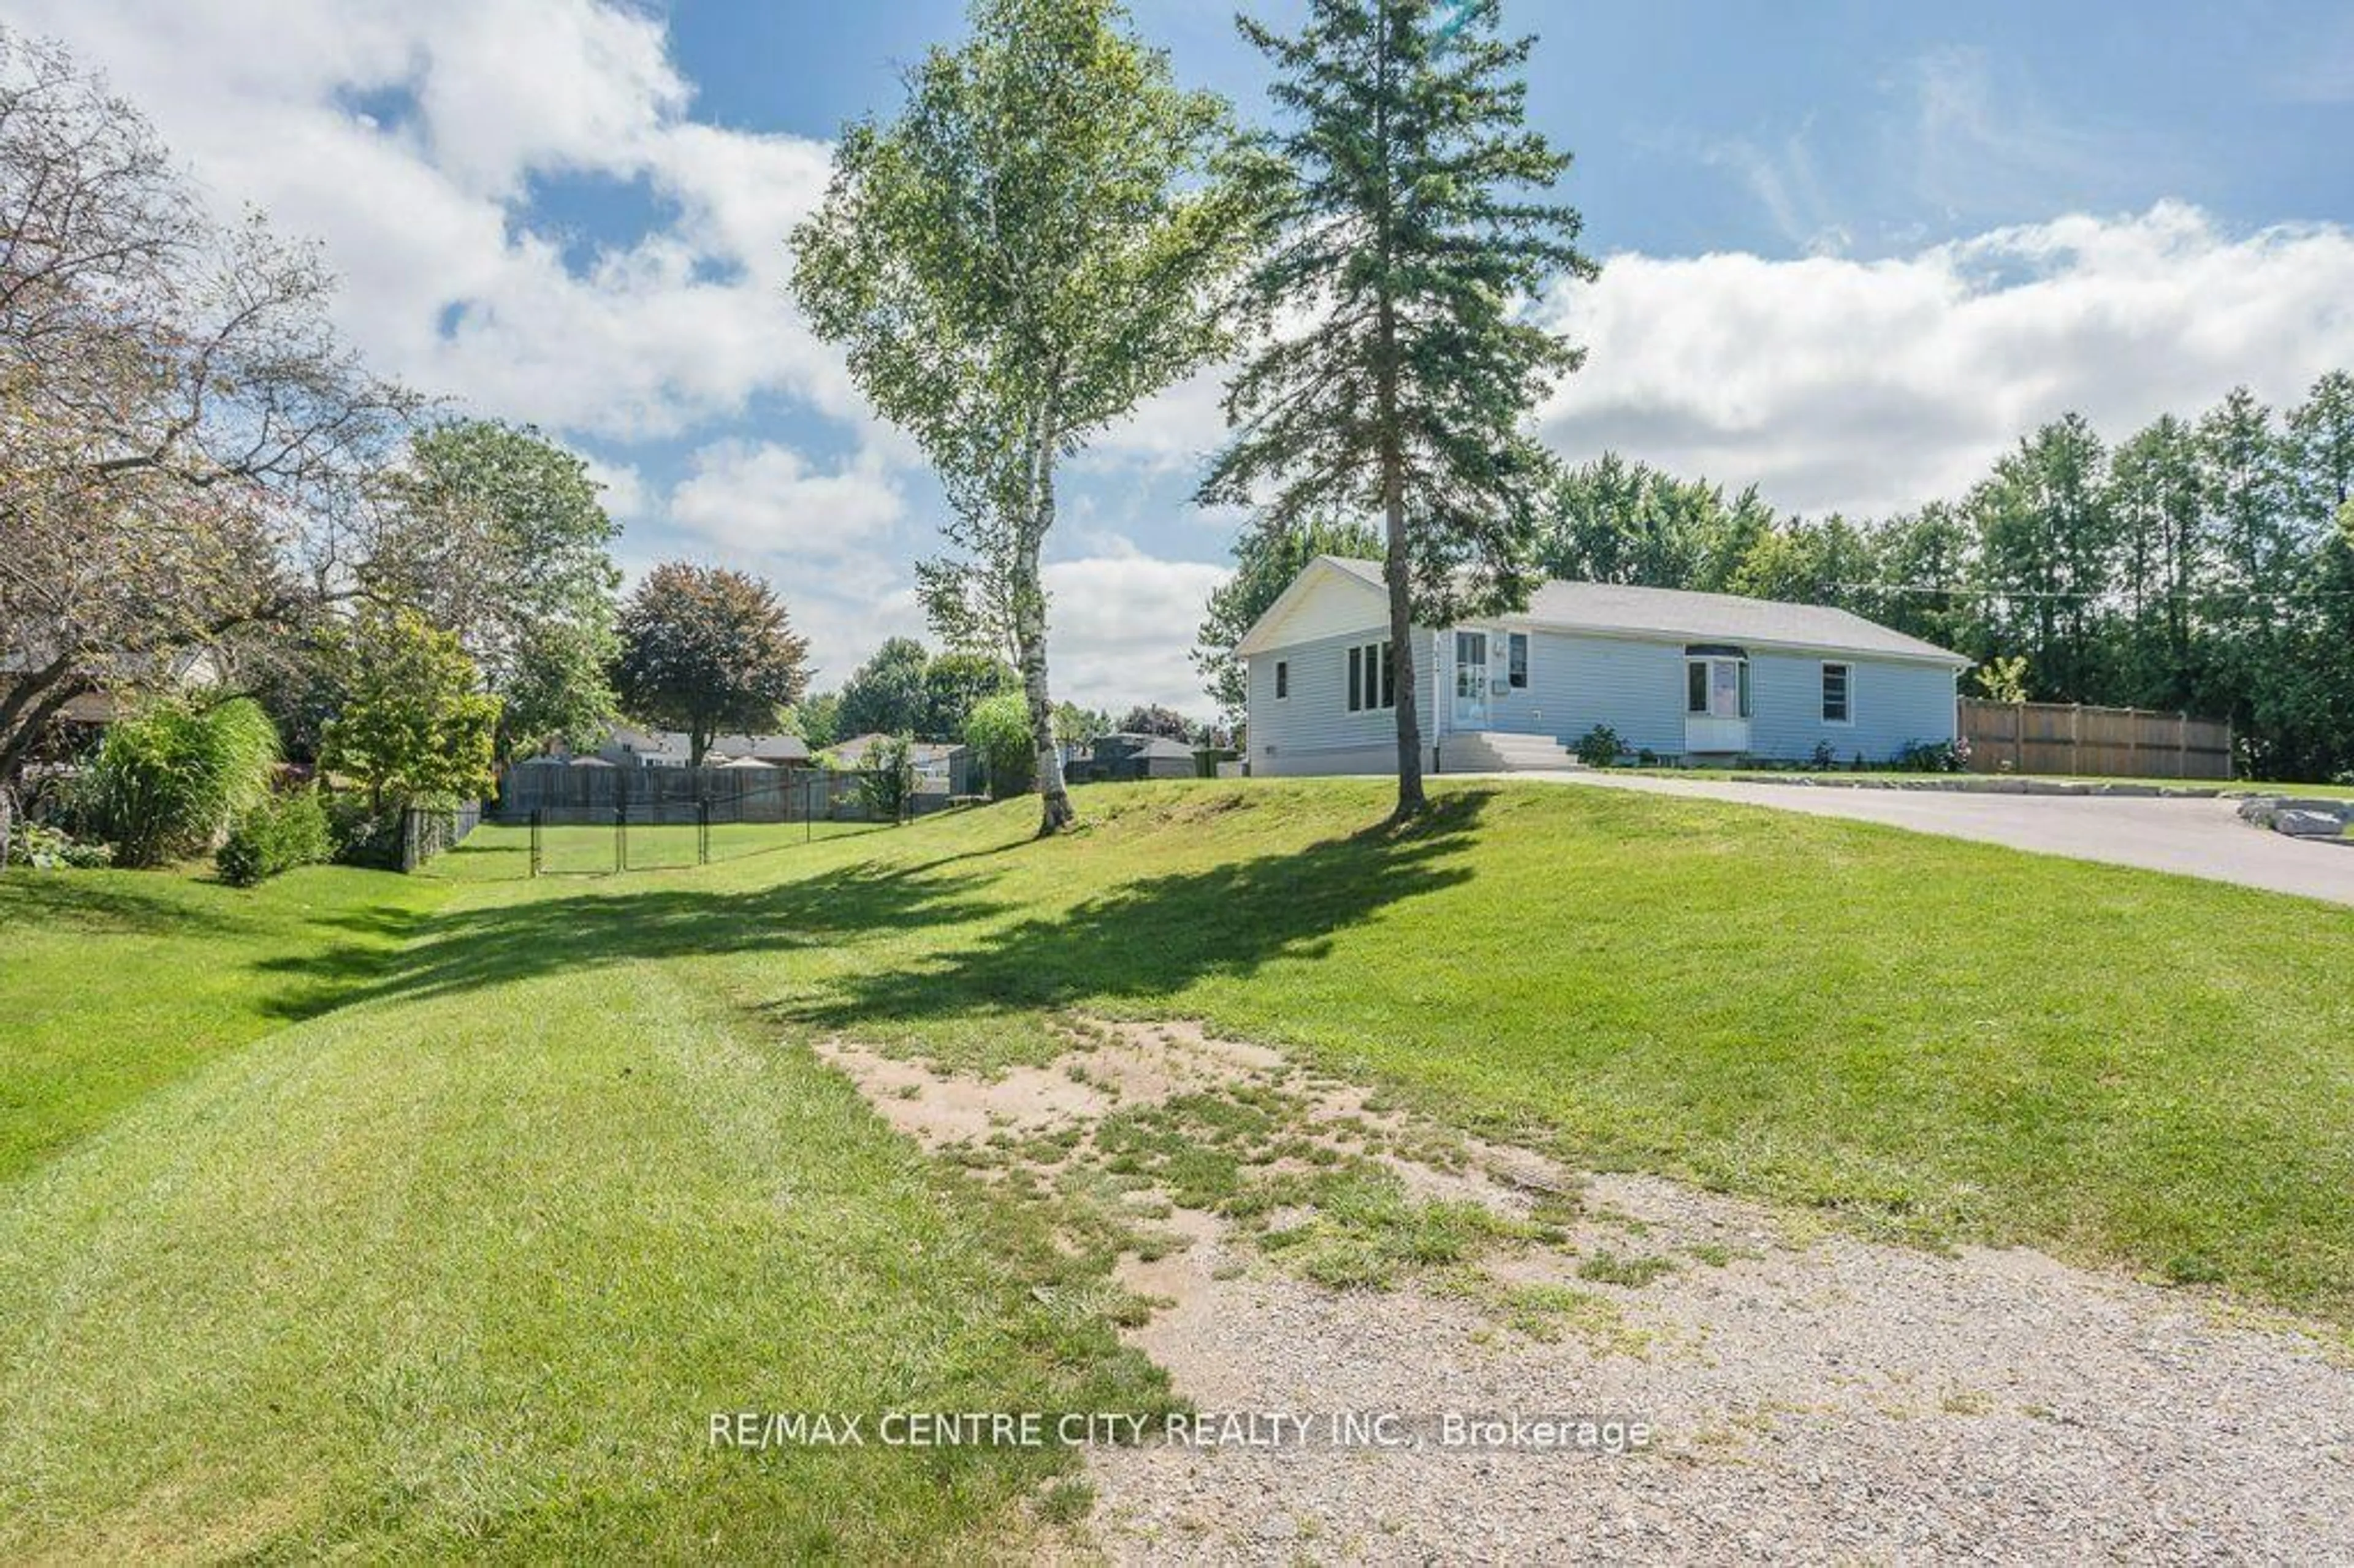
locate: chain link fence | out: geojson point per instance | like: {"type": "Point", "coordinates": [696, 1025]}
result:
{"type": "Point", "coordinates": [591, 821]}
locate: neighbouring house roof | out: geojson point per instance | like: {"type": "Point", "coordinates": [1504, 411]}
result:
{"type": "Point", "coordinates": [1615, 609]}
{"type": "Point", "coordinates": [676, 746]}
{"type": "Point", "coordinates": [919, 752]}
{"type": "Point", "coordinates": [183, 667]}
{"type": "Point", "coordinates": [1130, 744]}
{"type": "Point", "coordinates": [762, 747]}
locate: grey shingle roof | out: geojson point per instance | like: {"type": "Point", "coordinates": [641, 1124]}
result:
{"type": "Point", "coordinates": [1709, 617]}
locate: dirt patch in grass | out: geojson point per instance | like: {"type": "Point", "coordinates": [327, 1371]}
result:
{"type": "Point", "coordinates": [1285, 1240]}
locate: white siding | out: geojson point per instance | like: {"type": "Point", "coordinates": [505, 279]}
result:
{"type": "Point", "coordinates": [1313, 730]}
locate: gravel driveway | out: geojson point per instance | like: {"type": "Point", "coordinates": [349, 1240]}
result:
{"type": "Point", "coordinates": [1809, 1396]}
{"type": "Point", "coordinates": [2190, 837]}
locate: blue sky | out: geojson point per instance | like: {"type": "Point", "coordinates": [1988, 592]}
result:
{"type": "Point", "coordinates": [1852, 248]}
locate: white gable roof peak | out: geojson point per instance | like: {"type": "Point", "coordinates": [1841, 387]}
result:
{"type": "Point", "coordinates": [1352, 585]}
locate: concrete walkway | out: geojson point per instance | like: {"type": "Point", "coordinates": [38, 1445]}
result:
{"type": "Point", "coordinates": [2192, 837]}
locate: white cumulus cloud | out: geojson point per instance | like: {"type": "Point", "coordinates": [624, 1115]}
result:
{"type": "Point", "coordinates": [765, 499]}
{"type": "Point", "coordinates": [1868, 387]}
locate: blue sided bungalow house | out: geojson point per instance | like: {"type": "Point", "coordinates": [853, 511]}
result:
{"type": "Point", "coordinates": [1694, 677]}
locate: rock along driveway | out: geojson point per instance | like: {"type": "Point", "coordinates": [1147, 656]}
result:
{"type": "Point", "coordinates": [2189, 837]}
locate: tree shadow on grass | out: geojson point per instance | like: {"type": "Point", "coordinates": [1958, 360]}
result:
{"type": "Point", "coordinates": [476, 948]}
{"type": "Point", "coordinates": [1143, 939]}
{"type": "Point", "coordinates": [105, 903]}
{"type": "Point", "coordinates": [1152, 938]}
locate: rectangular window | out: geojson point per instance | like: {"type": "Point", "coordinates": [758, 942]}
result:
{"type": "Point", "coordinates": [1519, 655]}
{"type": "Point", "coordinates": [1696, 687]}
{"type": "Point", "coordinates": [1282, 679]}
{"type": "Point", "coordinates": [1835, 686]}
{"type": "Point", "coordinates": [1373, 678]}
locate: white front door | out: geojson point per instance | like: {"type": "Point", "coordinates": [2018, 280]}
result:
{"type": "Point", "coordinates": [1470, 680]}
{"type": "Point", "coordinates": [1716, 704]}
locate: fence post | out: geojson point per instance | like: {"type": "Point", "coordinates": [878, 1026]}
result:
{"type": "Point", "coordinates": [621, 840]}
{"type": "Point", "coordinates": [703, 831]}
{"type": "Point", "coordinates": [534, 842]}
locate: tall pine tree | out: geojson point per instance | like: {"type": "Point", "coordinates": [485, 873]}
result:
{"type": "Point", "coordinates": [1410, 234]}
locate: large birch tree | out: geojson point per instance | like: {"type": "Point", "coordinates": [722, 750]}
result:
{"type": "Point", "coordinates": [1037, 243]}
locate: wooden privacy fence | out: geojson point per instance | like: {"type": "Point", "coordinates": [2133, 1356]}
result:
{"type": "Point", "coordinates": [2101, 742]}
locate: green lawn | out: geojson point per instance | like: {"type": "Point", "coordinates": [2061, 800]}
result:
{"type": "Point", "coordinates": [465, 1260]}
{"type": "Point", "coordinates": [114, 983]}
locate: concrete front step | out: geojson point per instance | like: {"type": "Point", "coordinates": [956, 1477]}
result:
{"type": "Point", "coordinates": [1499, 751]}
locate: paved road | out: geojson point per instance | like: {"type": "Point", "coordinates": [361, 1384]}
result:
{"type": "Point", "coordinates": [2194, 837]}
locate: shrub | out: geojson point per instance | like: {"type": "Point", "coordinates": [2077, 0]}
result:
{"type": "Point", "coordinates": [1933, 756]}
{"type": "Point", "coordinates": [1825, 758]}
{"type": "Point", "coordinates": [886, 777]}
{"type": "Point", "coordinates": [999, 730]}
{"type": "Point", "coordinates": [1599, 746]}
{"type": "Point", "coordinates": [45, 848]}
{"type": "Point", "coordinates": [358, 835]}
{"type": "Point", "coordinates": [169, 779]}
{"type": "Point", "coordinates": [279, 834]}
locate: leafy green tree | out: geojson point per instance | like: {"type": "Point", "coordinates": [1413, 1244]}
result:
{"type": "Point", "coordinates": [1267, 557]}
{"type": "Point", "coordinates": [1076, 726]}
{"type": "Point", "coordinates": [1928, 563]}
{"type": "Point", "coordinates": [1408, 240]}
{"type": "Point", "coordinates": [955, 684]}
{"type": "Point", "coordinates": [1151, 718]}
{"type": "Point", "coordinates": [704, 649]}
{"type": "Point", "coordinates": [2321, 455]}
{"type": "Point", "coordinates": [885, 695]}
{"type": "Point", "coordinates": [1035, 245]}
{"type": "Point", "coordinates": [886, 777]}
{"type": "Point", "coordinates": [2045, 540]}
{"type": "Point", "coordinates": [497, 534]}
{"type": "Point", "coordinates": [816, 718]}
{"type": "Point", "coordinates": [2243, 484]}
{"type": "Point", "coordinates": [1611, 521]}
{"type": "Point", "coordinates": [998, 730]}
{"type": "Point", "coordinates": [2155, 504]}
{"type": "Point", "coordinates": [415, 722]}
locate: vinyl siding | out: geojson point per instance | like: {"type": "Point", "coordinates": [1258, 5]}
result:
{"type": "Point", "coordinates": [1313, 730]}
{"type": "Point", "coordinates": [1637, 687]}
{"type": "Point", "coordinates": [1892, 703]}
{"type": "Point", "coordinates": [1576, 681]}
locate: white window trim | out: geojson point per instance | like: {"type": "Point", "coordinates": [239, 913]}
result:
{"type": "Point", "coordinates": [1746, 702]}
{"type": "Point", "coordinates": [1380, 678]}
{"type": "Point", "coordinates": [1827, 664]}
